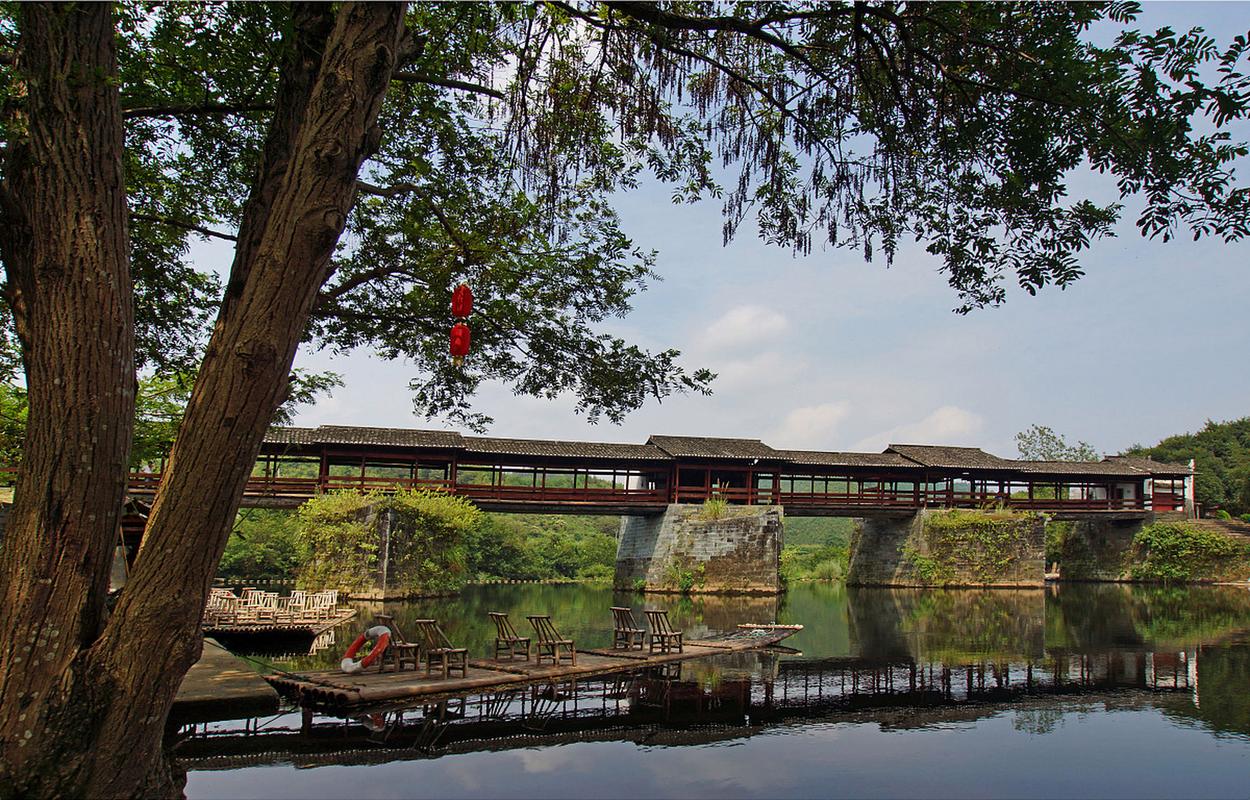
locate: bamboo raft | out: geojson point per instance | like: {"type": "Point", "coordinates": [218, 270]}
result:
{"type": "Point", "coordinates": [333, 690]}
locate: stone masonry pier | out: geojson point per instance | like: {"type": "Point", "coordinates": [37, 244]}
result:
{"type": "Point", "coordinates": [737, 551]}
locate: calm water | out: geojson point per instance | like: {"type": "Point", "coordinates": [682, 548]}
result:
{"type": "Point", "coordinates": [1081, 691]}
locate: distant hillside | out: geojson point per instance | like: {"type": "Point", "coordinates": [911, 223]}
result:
{"type": "Point", "coordinates": [1221, 451]}
{"type": "Point", "coordinates": [823, 531]}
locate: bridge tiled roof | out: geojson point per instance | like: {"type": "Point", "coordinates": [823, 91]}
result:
{"type": "Point", "coordinates": [662, 448]}
{"type": "Point", "coordinates": [1102, 468]}
{"type": "Point", "coordinates": [715, 447]}
{"type": "Point", "coordinates": [358, 435]}
{"type": "Point", "coordinates": [944, 457]}
{"type": "Point", "coordinates": [489, 445]}
{"type": "Point", "coordinates": [818, 458]}
{"type": "Point", "coordinates": [290, 435]}
{"type": "Point", "coordinates": [1150, 466]}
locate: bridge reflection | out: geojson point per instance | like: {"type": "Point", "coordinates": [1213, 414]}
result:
{"type": "Point", "coordinates": [899, 659]}
{"type": "Point", "coordinates": [719, 700]}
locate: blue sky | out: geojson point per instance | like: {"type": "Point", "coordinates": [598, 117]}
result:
{"type": "Point", "coordinates": [830, 352]}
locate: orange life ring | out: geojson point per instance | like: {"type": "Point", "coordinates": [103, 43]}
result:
{"type": "Point", "coordinates": [379, 634]}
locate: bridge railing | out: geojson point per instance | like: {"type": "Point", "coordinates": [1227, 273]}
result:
{"type": "Point", "coordinates": [554, 494]}
{"type": "Point", "coordinates": [740, 495]}
{"type": "Point", "coordinates": [873, 497]}
{"type": "Point", "coordinates": [146, 483]}
{"type": "Point", "coordinates": [370, 483]}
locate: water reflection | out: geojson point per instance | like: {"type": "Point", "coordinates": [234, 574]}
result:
{"type": "Point", "coordinates": [723, 698]}
{"type": "Point", "coordinates": [908, 661]}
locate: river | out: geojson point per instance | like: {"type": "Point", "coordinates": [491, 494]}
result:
{"type": "Point", "coordinates": [1073, 691]}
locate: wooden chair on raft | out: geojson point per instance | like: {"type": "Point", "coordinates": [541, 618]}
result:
{"type": "Point", "coordinates": [439, 649]}
{"type": "Point", "coordinates": [663, 636]}
{"type": "Point", "coordinates": [400, 652]}
{"type": "Point", "coordinates": [626, 635]}
{"type": "Point", "coordinates": [550, 644]}
{"type": "Point", "coordinates": [507, 641]}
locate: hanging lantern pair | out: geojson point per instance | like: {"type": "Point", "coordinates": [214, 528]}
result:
{"type": "Point", "coordinates": [461, 307]}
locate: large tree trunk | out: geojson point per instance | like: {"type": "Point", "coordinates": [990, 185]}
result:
{"type": "Point", "coordinates": [64, 240]}
{"type": "Point", "coordinates": [324, 127]}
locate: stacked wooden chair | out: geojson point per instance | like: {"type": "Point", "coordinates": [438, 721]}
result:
{"type": "Point", "coordinates": [626, 635]}
{"type": "Point", "coordinates": [507, 641]}
{"type": "Point", "coordinates": [549, 643]}
{"type": "Point", "coordinates": [439, 649]}
{"type": "Point", "coordinates": [664, 638]}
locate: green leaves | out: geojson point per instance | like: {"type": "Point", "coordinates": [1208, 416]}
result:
{"type": "Point", "coordinates": [1040, 443]}
{"type": "Point", "coordinates": [427, 550]}
{"type": "Point", "coordinates": [509, 131]}
{"type": "Point", "coordinates": [1221, 451]}
{"type": "Point", "coordinates": [1175, 552]}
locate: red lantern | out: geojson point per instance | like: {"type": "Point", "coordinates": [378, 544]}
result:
{"type": "Point", "coordinates": [459, 342]}
{"type": "Point", "coordinates": [462, 301]}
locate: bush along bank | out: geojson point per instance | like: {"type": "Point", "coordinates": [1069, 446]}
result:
{"type": "Point", "coordinates": [1177, 552]}
{"type": "Point", "coordinates": [406, 544]}
{"type": "Point", "coordinates": [1160, 552]}
{"type": "Point", "coordinates": [333, 543]}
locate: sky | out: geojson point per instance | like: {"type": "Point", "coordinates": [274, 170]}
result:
{"type": "Point", "coordinates": [827, 352]}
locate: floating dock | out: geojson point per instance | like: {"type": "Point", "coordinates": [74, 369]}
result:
{"type": "Point", "coordinates": [332, 690]}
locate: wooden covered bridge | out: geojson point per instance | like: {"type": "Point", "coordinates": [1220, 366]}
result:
{"type": "Point", "coordinates": [639, 479]}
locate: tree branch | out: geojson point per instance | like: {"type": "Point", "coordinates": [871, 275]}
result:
{"type": "Point", "coordinates": [326, 296]}
{"type": "Point", "coordinates": [174, 110]}
{"type": "Point", "coordinates": [412, 188]}
{"type": "Point", "coordinates": [447, 83]}
{"type": "Point", "coordinates": [189, 226]}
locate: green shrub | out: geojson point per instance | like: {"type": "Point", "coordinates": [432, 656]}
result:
{"type": "Point", "coordinates": [427, 552]}
{"type": "Point", "coordinates": [1169, 551]}
{"type": "Point", "coordinates": [1056, 535]}
{"type": "Point", "coordinates": [714, 508]}
{"type": "Point", "coordinates": [263, 544]}
{"type": "Point", "coordinates": [683, 576]}
{"type": "Point", "coordinates": [596, 572]}
{"type": "Point", "coordinates": [814, 563]}
{"type": "Point", "coordinates": [640, 585]}
{"type": "Point", "coordinates": [433, 556]}
{"type": "Point", "coordinates": [542, 546]}
{"type": "Point", "coordinates": [1245, 517]}
{"type": "Point", "coordinates": [339, 543]}
{"type": "Point", "coordinates": [831, 569]}
{"type": "Point", "coordinates": [1222, 514]}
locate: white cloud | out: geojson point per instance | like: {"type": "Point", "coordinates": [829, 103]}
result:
{"type": "Point", "coordinates": [809, 427]}
{"type": "Point", "coordinates": [764, 372]}
{"type": "Point", "coordinates": [743, 325]}
{"type": "Point", "coordinates": [950, 425]}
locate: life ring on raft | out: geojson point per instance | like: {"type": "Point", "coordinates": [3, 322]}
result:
{"type": "Point", "coordinates": [379, 634]}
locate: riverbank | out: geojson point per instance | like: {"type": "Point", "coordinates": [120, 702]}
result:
{"type": "Point", "coordinates": [221, 686]}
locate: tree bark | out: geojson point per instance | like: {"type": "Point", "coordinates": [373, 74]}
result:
{"type": "Point", "coordinates": [118, 695]}
{"type": "Point", "coordinates": [63, 236]}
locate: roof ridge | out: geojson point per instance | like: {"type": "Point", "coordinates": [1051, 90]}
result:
{"type": "Point", "coordinates": [710, 438]}
{"type": "Point", "coordinates": [560, 441]}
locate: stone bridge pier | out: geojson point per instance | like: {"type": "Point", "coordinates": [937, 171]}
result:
{"type": "Point", "coordinates": [733, 550]}
{"type": "Point", "coordinates": [737, 549]}
{"type": "Point", "coordinates": [968, 548]}
{"type": "Point", "coordinates": [927, 548]}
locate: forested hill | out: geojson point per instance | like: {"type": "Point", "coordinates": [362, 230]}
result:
{"type": "Point", "coordinates": [1221, 451]}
